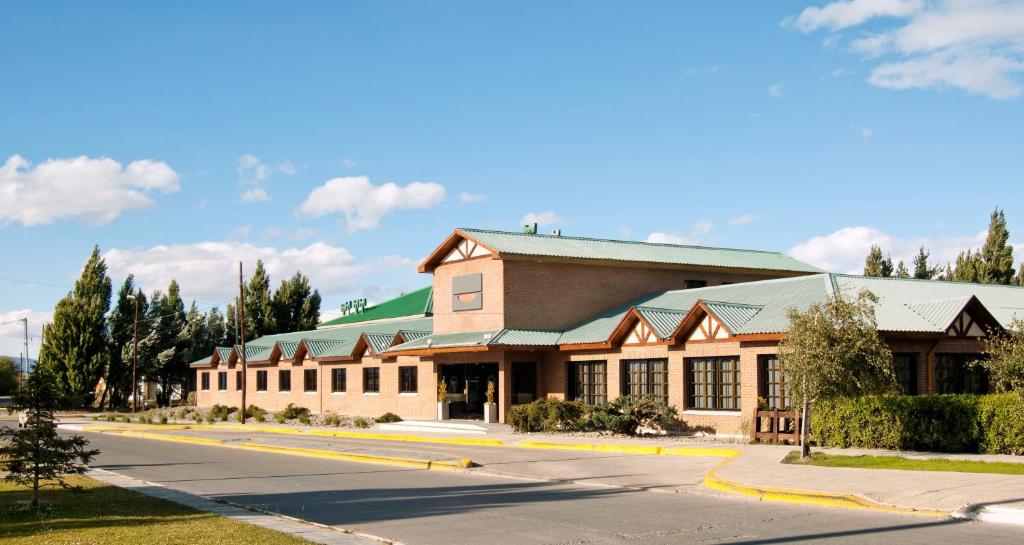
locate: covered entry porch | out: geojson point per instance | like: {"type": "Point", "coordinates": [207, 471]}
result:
{"type": "Point", "coordinates": [515, 377]}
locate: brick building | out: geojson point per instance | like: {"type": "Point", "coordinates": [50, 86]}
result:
{"type": "Point", "coordinates": [591, 319]}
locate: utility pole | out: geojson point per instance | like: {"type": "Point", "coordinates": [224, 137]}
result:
{"type": "Point", "coordinates": [24, 359]}
{"type": "Point", "coordinates": [241, 299]}
{"type": "Point", "coordinates": [135, 354]}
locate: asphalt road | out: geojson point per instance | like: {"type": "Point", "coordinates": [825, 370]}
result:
{"type": "Point", "coordinates": [440, 508]}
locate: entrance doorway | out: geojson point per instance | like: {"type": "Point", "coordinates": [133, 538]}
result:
{"type": "Point", "coordinates": [467, 388]}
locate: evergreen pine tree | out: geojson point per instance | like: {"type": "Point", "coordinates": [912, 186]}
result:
{"type": "Point", "coordinates": [216, 328]}
{"type": "Point", "coordinates": [294, 307]}
{"type": "Point", "coordinates": [259, 316]}
{"type": "Point", "coordinates": [170, 333]}
{"type": "Point", "coordinates": [921, 268]}
{"type": "Point", "coordinates": [876, 264]}
{"type": "Point", "coordinates": [997, 255]}
{"type": "Point", "coordinates": [120, 323]}
{"type": "Point", "coordinates": [968, 268]}
{"type": "Point", "coordinates": [901, 271]}
{"type": "Point", "coordinates": [36, 455]}
{"type": "Point", "coordinates": [75, 346]}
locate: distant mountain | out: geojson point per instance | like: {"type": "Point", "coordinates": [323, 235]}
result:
{"type": "Point", "coordinates": [17, 362]}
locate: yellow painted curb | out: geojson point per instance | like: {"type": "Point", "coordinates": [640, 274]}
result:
{"type": "Point", "coordinates": [174, 438]}
{"type": "Point", "coordinates": [711, 478]}
{"type": "Point", "coordinates": [448, 465]}
{"type": "Point", "coordinates": [808, 497]}
{"type": "Point", "coordinates": [366, 458]}
{"type": "Point", "coordinates": [318, 433]}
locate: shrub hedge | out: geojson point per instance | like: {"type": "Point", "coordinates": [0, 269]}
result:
{"type": "Point", "coordinates": [935, 423]}
{"type": "Point", "coordinates": [626, 414]}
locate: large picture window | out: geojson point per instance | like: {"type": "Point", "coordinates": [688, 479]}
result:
{"type": "Point", "coordinates": [588, 381]}
{"type": "Point", "coordinates": [407, 383]}
{"type": "Point", "coordinates": [906, 372]}
{"type": "Point", "coordinates": [955, 375]}
{"type": "Point", "coordinates": [284, 380]}
{"type": "Point", "coordinates": [713, 383]}
{"type": "Point", "coordinates": [338, 380]}
{"type": "Point", "coordinates": [772, 387]}
{"type": "Point", "coordinates": [645, 377]}
{"type": "Point", "coordinates": [261, 381]}
{"type": "Point", "coordinates": [371, 380]}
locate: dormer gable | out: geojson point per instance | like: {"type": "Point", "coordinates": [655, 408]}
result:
{"type": "Point", "coordinates": [710, 321]}
{"type": "Point", "coordinates": [645, 325]}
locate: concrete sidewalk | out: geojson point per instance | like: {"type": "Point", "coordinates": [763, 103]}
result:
{"type": "Point", "coordinates": [636, 465]}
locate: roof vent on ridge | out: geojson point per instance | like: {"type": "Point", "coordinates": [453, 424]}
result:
{"type": "Point", "coordinates": [530, 229]}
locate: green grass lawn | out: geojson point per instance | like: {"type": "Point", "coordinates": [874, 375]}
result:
{"type": "Point", "coordinates": [899, 462]}
{"type": "Point", "coordinates": [101, 514]}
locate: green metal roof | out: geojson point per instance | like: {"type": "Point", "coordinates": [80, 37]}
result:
{"type": "Point", "coordinates": [288, 348]}
{"type": "Point", "coordinates": [411, 335]}
{"type": "Point", "coordinates": [926, 306]}
{"type": "Point", "coordinates": [379, 342]}
{"type": "Point", "coordinates": [642, 252]}
{"type": "Point", "coordinates": [224, 352]}
{"type": "Point", "coordinates": [524, 337]}
{"type": "Point", "coordinates": [205, 362]}
{"type": "Point", "coordinates": [663, 320]}
{"type": "Point", "coordinates": [501, 337]}
{"type": "Point", "coordinates": [416, 303]}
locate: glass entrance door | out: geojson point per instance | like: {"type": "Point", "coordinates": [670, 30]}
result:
{"type": "Point", "coordinates": [467, 387]}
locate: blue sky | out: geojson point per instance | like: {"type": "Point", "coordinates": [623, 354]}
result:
{"type": "Point", "coordinates": [813, 128]}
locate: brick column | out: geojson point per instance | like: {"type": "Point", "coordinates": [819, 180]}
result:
{"type": "Point", "coordinates": [504, 386]}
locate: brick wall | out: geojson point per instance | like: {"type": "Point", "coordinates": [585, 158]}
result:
{"type": "Point", "coordinates": [552, 295]}
{"type": "Point", "coordinates": [490, 317]}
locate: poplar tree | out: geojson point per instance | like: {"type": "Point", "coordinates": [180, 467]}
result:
{"type": "Point", "coordinates": [75, 346]}
{"type": "Point", "coordinates": [922, 269]}
{"type": "Point", "coordinates": [876, 264]}
{"type": "Point", "coordinates": [997, 254]}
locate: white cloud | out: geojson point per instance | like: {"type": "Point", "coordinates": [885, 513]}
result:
{"type": "Point", "coordinates": [256, 194]}
{"type": "Point", "coordinates": [867, 132]}
{"type": "Point", "coordinates": [95, 191]}
{"type": "Point", "coordinates": [252, 171]}
{"type": "Point", "coordinates": [848, 13]}
{"type": "Point", "coordinates": [832, 40]}
{"type": "Point", "coordinates": [775, 91]}
{"type": "Point", "coordinates": [973, 45]}
{"type": "Point", "coordinates": [465, 197]}
{"type": "Point", "coordinates": [844, 250]}
{"type": "Point", "coordinates": [699, 229]}
{"type": "Point", "coordinates": [743, 219]}
{"type": "Point", "coordinates": [364, 204]}
{"type": "Point", "coordinates": [668, 238]}
{"type": "Point", "coordinates": [208, 271]}
{"type": "Point", "coordinates": [12, 335]}
{"type": "Point", "coordinates": [980, 74]}
{"type": "Point", "coordinates": [542, 218]}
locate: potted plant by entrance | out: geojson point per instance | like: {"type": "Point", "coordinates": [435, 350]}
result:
{"type": "Point", "coordinates": [442, 400]}
{"type": "Point", "coordinates": [490, 408]}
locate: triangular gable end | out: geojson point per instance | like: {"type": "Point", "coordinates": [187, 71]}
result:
{"type": "Point", "coordinates": [457, 247]}
{"type": "Point", "coordinates": [701, 325]}
{"type": "Point", "coordinates": [634, 330]}
{"type": "Point", "coordinates": [973, 321]}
